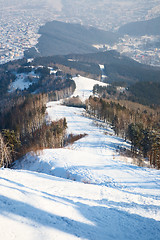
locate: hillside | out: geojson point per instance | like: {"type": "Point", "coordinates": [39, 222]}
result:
{"type": "Point", "coordinates": [59, 38]}
{"type": "Point", "coordinates": [141, 28]}
{"type": "Point", "coordinates": [86, 190]}
{"type": "Point", "coordinates": [119, 68]}
{"type": "Point", "coordinates": [39, 206]}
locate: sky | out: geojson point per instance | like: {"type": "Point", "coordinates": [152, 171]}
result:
{"type": "Point", "coordinates": [57, 4]}
{"type": "Point", "coordinates": [50, 3]}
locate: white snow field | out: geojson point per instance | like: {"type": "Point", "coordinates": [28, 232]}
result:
{"type": "Point", "coordinates": [83, 191]}
{"type": "Point", "coordinates": [84, 86]}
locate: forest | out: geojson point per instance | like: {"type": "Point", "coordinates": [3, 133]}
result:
{"type": "Point", "coordinates": [119, 68]}
{"type": "Point", "coordinates": [139, 92]}
{"type": "Point", "coordinates": [23, 125]}
{"type": "Point", "coordinates": [132, 121]}
{"type": "Point", "coordinates": [147, 93]}
{"type": "Point", "coordinates": [23, 128]}
{"type": "Point", "coordinates": [82, 67]}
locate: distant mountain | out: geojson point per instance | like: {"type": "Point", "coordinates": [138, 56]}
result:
{"type": "Point", "coordinates": [59, 38]}
{"type": "Point", "coordinates": [141, 28]}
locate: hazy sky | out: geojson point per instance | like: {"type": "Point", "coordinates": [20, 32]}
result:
{"type": "Point", "coordinates": [56, 4]}
{"type": "Point", "coordinates": [23, 3]}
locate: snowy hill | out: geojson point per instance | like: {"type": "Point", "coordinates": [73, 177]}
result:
{"type": "Point", "coordinates": [84, 86]}
{"type": "Point", "coordinates": [38, 206]}
{"type": "Point", "coordinates": [83, 191]}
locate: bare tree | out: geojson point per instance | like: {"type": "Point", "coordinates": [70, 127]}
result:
{"type": "Point", "coordinates": [5, 156]}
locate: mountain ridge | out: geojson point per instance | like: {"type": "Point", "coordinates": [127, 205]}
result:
{"type": "Point", "coordinates": [60, 38]}
{"type": "Point", "coordinates": [140, 28]}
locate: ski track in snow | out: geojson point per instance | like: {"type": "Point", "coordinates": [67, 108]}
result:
{"type": "Point", "coordinates": [83, 191]}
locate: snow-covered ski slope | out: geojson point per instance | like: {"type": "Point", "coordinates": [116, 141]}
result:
{"type": "Point", "coordinates": [83, 191]}
{"type": "Point", "coordinates": [84, 86]}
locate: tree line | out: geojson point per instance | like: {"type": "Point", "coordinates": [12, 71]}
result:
{"type": "Point", "coordinates": [141, 127]}
{"type": "Point", "coordinates": [23, 128]}
{"type": "Point", "coordinates": [146, 93]}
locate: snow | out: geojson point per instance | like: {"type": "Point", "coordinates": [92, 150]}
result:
{"type": "Point", "coordinates": [22, 81]}
{"type": "Point", "coordinates": [19, 83]}
{"type": "Point", "coordinates": [84, 86]}
{"type": "Point", "coordinates": [52, 71]}
{"type": "Point", "coordinates": [72, 60]}
{"type": "Point", "coordinates": [101, 67]}
{"type": "Point", "coordinates": [38, 206]}
{"type": "Point", "coordinates": [83, 191]}
{"type": "Point", "coordinates": [29, 60]}
{"type": "Point", "coordinates": [104, 76]}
